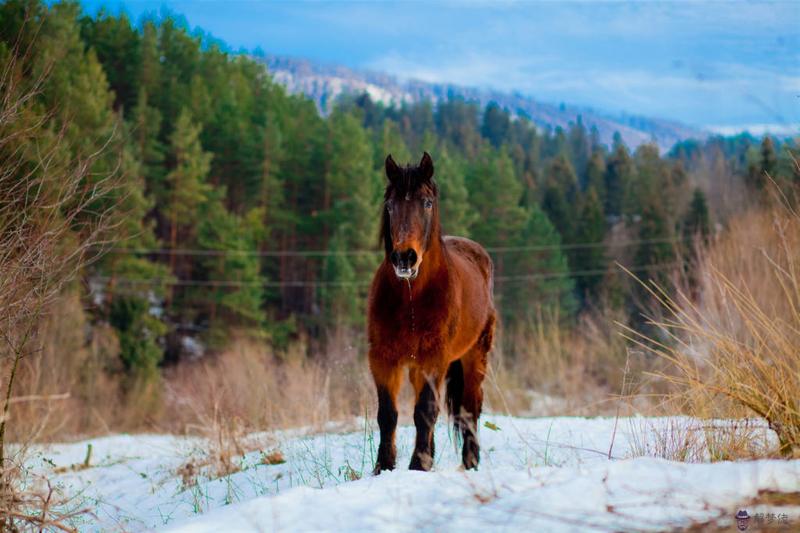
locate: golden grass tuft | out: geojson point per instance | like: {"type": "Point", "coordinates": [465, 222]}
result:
{"type": "Point", "coordinates": [732, 350]}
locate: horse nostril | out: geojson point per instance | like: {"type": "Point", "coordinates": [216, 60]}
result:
{"type": "Point", "coordinates": [412, 258]}
{"type": "Point", "coordinates": [394, 257]}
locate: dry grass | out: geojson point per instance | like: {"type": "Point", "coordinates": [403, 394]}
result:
{"type": "Point", "coordinates": [733, 350]}
{"type": "Point", "coordinates": [249, 383]}
{"type": "Point", "coordinates": [229, 398]}
{"type": "Point", "coordinates": [693, 440]}
{"type": "Point", "coordinates": [81, 390]}
{"type": "Point", "coordinates": [549, 369]}
{"type": "Point", "coordinates": [74, 385]}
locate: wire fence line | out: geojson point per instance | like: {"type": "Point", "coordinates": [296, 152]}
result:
{"type": "Point", "coordinates": [315, 283]}
{"type": "Point", "coordinates": [326, 253]}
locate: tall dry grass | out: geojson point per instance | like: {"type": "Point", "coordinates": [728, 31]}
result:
{"type": "Point", "coordinates": [732, 341]}
{"type": "Point", "coordinates": [547, 368]}
{"type": "Point", "coordinates": [250, 383]}
{"type": "Point", "coordinates": [82, 390]}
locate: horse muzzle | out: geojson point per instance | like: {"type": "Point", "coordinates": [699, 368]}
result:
{"type": "Point", "coordinates": [405, 263]}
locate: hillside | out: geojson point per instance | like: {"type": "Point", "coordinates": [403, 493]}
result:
{"type": "Point", "coordinates": [325, 83]}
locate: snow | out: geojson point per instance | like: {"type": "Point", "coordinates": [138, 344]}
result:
{"type": "Point", "coordinates": [536, 474]}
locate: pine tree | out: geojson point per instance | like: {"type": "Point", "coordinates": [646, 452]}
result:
{"type": "Point", "coordinates": [537, 283]}
{"type": "Point", "coordinates": [302, 172]}
{"type": "Point", "coordinates": [655, 251]}
{"type": "Point", "coordinates": [271, 189]}
{"type": "Point", "coordinates": [354, 188]}
{"type": "Point", "coordinates": [146, 125]}
{"type": "Point", "coordinates": [595, 175]}
{"type": "Point", "coordinates": [420, 123]}
{"type": "Point", "coordinates": [117, 45]}
{"type": "Point", "coordinates": [457, 124]}
{"type": "Point", "coordinates": [697, 222]}
{"type": "Point", "coordinates": [580, 149]}
{"type": "Point", "coordinates": [149, 75]}
{"type": "Point", "coordinates": [496, 124]}
{"type": "Point", "coordinates": [186, 183]}
{"type": "Point", "coordinates": [762, 165]}
{"type": "Point", "coordinates": [559, 197]}
{"type": "Point", "coordinates": [391, 142]}
{"type": "Point", "coordinates": [769, 159]}
{"type": "Point", "coordinates": [495, 193]}
{"type": "Point", "coordinates": [619, 174]}
{"type": "Point", "coordinates": [340, 290]}
{"type": "Point", "coordinates": [139, 334]}
{"type": "Point", "coordinates": [590, 261]}
{"type": "Point", "coordinates": [456, 213]}
{"type": "Point", "coordinates": [234, 294]}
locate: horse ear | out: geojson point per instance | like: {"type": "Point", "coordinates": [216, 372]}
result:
{"type": "Point", "coordinates": [426, 167]}
{"type": "Point", "coordinates": [392, 170]}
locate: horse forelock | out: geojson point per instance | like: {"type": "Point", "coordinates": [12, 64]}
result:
{"type": "Point", "coordinates": [408, 183]}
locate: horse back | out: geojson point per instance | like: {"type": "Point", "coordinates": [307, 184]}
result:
{"type": "Point", "coordinates": [472, 253]}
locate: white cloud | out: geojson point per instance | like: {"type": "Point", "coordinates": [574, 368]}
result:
{"type": "Point", "coordinates": [714, 91]}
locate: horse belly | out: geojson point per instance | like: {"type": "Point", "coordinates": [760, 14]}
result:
{"type": "Point", "coordinates": [475, 305]}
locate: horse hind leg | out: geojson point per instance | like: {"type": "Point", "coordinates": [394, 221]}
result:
{"type": "Point", "coordinates": [466, 415]}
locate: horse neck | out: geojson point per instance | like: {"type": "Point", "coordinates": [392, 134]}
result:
{"type": "Point", "coordinates": [434, 263]}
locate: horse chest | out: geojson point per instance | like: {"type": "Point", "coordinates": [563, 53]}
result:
{"type": "Point", "coordinates": [415, 331]}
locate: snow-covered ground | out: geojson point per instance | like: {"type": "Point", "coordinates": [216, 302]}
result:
{"type": "Point", "coordinates": [536, 475]}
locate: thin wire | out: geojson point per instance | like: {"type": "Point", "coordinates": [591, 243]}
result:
{"type": "Point", "coordinates": [325, 253]}
{"type": "Point", "coordinates": [301, 283]}
{"type": "Point", "coordinates": [581, 273]}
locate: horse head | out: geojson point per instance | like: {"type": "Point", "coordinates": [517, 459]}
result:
{"type": "Point", "coordinates": [410, 215]}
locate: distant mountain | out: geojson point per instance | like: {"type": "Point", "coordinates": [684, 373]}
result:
{"type": "Point", "coordinates": [325, 83]}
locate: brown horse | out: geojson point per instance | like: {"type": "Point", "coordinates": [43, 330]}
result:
{"type": "Point", "coordinates": [431, 310]}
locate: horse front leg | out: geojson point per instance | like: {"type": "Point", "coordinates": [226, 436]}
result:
{"type": "Point", "coordinates": [426, 410]}
{"type": "Point", "coordinates": [387, 383]}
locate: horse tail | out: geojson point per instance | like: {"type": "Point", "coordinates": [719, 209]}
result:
{"type": "Point", "coordinates": [455, 395]}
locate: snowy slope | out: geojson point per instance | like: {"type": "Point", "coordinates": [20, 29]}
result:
{"type": "Point", "coordinates": [324, 84]}
{"type": "Point", "coordinates": [536, 474]}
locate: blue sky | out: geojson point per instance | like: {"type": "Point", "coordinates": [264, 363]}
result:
{"type": "Point", "coordinates": [722, 64]}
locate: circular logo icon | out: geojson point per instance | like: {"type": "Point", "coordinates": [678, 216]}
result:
{"type": "Point", "coordinates": [742, 519]}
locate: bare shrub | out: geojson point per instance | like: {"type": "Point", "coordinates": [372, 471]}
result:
{"type": "Point", "coordinates": [51, 221]}
{"type": "Point", "coordinates": [51, 376]}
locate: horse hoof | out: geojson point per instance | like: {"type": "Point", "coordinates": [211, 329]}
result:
{"type": "Point", "coordinates": [418, 464]}
{"type": "Point", "coordinates": [470, 454]}
{"type": "Point", "coordinates": [378, 469]}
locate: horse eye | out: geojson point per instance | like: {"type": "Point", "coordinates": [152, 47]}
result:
{"type": "Point", "coordinates": [428, 203]}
